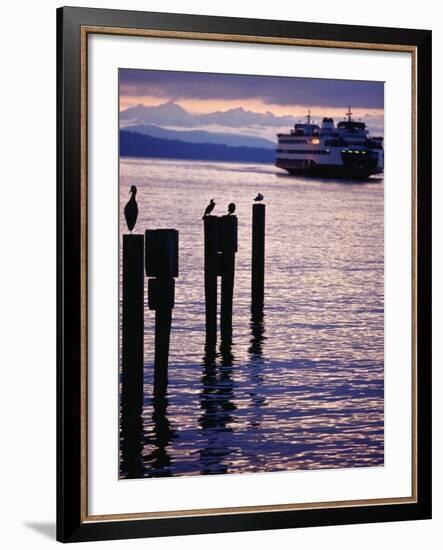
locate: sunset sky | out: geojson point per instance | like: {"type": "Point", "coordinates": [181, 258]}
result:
{"type": "Point", "coordinates": [201, 93]}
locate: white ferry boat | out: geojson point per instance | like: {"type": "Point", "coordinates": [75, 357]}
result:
{"type": "Point", "coordinates": [344, 150]}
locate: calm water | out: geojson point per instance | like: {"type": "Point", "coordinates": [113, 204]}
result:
{"type": "Point", "coordinates": [301, 388]}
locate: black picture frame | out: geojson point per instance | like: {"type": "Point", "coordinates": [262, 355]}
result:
{"type": "Point", "coordinates": [72, 524]}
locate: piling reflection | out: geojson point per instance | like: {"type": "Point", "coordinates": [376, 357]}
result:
{"type": "Point", "coordinates": [255, 350]}
{"type": "Point", "coordinates": [216, 401]}
{"type": "Point", "coordinates": [158, 461]}
{"type": "Point", "coordinates": [257, 325]}
{"type": "Point", "coordinates": [131, 434]}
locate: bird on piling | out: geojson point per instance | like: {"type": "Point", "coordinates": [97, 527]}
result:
{"type": "Point", "coordinates": [231, 208]}
{"type": "Point", "coordinates": [209, 208]}
{"type": "Point", "coordinates": [259, 197]}
{"type": "Point", "coordinates": [131, 209]}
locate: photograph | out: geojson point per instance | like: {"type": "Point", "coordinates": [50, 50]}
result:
{"type": "Point", "coordinates": [226, 231]}
{"type": "Point", "coordinates": [251, 274]}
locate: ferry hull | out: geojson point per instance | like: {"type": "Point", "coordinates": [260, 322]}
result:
{"type": "Point", "coordinates": [329, 170]}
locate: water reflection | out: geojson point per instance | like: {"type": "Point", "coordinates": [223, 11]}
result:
{"type": "Point", "coordinates": [257, 326]}
{"type": "Point", "coordinates": [131, 434]}
{"type": "Point", "coordinates": [302, 388]}
{"type": "Point", "coordinates": [217, 405]}
{"type": "Point", "coordinates": [158, 461]}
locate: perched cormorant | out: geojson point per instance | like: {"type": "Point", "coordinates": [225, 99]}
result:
{"type": "Point", "coordinates": [259, 197]}
{"type": "Point", "coordinates": [209, 208]}
{"type": "Point", "coordinates": [231, 208]}
{"type": "Point", "coordinates": [131, 209]}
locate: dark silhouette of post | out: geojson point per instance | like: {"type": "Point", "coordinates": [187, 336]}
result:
{"type": "Point", "coordinates": [258, 256]}
{"type": "Point", "coordinates": [161, 264]}
{"type": "Point", "coordinates": [227, 246]}
{"type": "Point", "coordinates": [131, 436]}
{"type": "Point", "coordinates": [258, 337]}
{"type": "Point", "coordinates": [158, 460]}
{"type": "Point", "coordinates": [211, 271]}
{"type": "Point", "coordinates": [132, 326]}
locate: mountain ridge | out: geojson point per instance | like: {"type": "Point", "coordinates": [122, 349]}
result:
{"type": "Point", "coordinates": [173, 114]}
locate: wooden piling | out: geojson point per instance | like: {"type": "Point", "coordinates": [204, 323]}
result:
{"type": "Point", "coordinates": [161, 253]}
{"type": "Point", "coordinates": [132, 326]}
{"type": "Point", "coordinates": [162, 265]}
{"type": "Point", "coordinates": [211, 270]}
{"type": "Point", "coordinates": [164, 301]}
{"type": "Point", "coordinates": [227, 246]}
{"type": "Point", "coordinates": [258, 256]}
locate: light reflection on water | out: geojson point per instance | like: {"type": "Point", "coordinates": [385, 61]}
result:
{"type": "Point", "coordinates": [302, 385]}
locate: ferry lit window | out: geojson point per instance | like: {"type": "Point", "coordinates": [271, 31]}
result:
{"type": "Point", "coordinates": [315, 141]}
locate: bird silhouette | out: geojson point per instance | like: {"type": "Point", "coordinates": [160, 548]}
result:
{"type": "Point", "coordinates": [231, 208]}
{"type": "Point", "coordinates": [131, 209]}
{"type": "Point", "coordinates": [209, 208]}
{"type": "Point", "coordinates": [259, 197]}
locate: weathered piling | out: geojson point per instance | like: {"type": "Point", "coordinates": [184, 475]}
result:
{"type": "Point", "coordinates": [258, 256]}
{"type": "Point", "coordinates": [227, 246]}
{"type": "Point", "coordinates": [211, 270]}
{"type": "Point", "coordinates": [132, 326]}
{"type": "Point", "coordinates": [162, 265]}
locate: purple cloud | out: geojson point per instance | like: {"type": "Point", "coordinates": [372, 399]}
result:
{"type": "Point", "coordinates": [176, 86]}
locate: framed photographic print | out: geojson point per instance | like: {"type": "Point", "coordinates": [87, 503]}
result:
{"type": "Point", "coordinates": [244, 274]}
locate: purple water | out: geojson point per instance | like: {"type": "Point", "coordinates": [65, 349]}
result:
{"type": "Point", "coordinates": [301, 389]}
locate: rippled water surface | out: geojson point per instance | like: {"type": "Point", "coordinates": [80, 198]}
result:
{"type": "Point", "coordinates": [301, 387]}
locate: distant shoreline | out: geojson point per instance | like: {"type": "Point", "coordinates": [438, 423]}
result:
{"type": "Point", "coordinates": [124, 157]}
{"type": "Point", "coordinates": [133, 144]}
